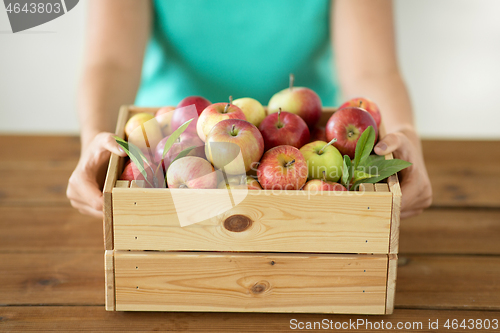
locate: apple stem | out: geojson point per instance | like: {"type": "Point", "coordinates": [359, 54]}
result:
{"type": "Point", "coordinates": [230, 99]}
{"type": "Point", "coordinates": [227, 107]}
{"type": "Point", "coordinates": [280, 125]}
{"type": "Point", "coordinates": [289, 163]}
{"type": "Point", "coordinates": [292, 78]}
{"type": "Point", "coordinates": [232, 130]}
{"type": "Point", "coordinates": [324, 175]}
{"type": "Point", "coordinates": [329, 143]}
{"type": "Point", "coordinates": [360, 103]}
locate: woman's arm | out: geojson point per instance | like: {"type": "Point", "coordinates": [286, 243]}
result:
{"type": "Point", "coordinates": [363, 39]}
{"type": "Point", "coordinates": [117, 33]}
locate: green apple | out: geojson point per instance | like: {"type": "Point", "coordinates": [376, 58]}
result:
{"type": "Point", "coordinates": [253, 110]}
{"type": "Point", "coordinates": [322, 157]}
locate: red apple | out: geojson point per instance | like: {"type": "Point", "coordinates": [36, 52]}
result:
{"type": "Point", "coordinates": [183, 114]}
{"type": "Point", "coordinates": [318, 134]}
{"type": "Point", "coordinates": [347, 125]}
{"type": "Point", "coordinates": [164, 117]}
{"type": "Point", "coordinates": [131, 172]}
{"type": "Point", "coordinates": [301, 101]}
{"type": "Point", "coordinates": [365, 104]}
{"type": "Point", "coordinates": [185, 140]}
{"type": "Point", "coordinates": [199, 102]}
{"type": "Point", "coordinates": [215, 113]}
{"type": "Point", "coordinates": [320, 185]}
{"type": "Point", "coordinates": [253, 184]}
{"type": "Point", "coordinates": [191, 172]}
{"type": "Point", "coordinates": [284, 128]}
{"type": "Point", "coordinates": [225, 141]}
{"type": "Point", "coordinates": [282, 168]}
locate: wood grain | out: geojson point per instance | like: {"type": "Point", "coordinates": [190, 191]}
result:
{"type": "Point", "coordinates": [71, 278]}
{"type": "Point", "coordinates": [157, 281]}
{"type": "Point", "coordinates": [114, 167]}
{"type": "Point", "coordinates": [48, 228]}
{"type": "Point", "coordinates": [38, 151]}
{"type": "Point", "coordinates": [452, 231]}
{"type": "Point", "coordinates": [448, 282]}
{"type": "Point", "coordinates": [297, 221]}
{"type": "Point", "coordinates": [392, 269]}
{"type": "Point", "coordinates": [109, 273]}
{"type": "Point", "coordinates": [94, 319]}
{"type": "Point", "coordinates": [464, 173]}
{"type": "Point", "coordinates": [29, 187]}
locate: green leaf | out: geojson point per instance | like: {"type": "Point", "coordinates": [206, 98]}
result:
{"type": "Point", "coordinates": [384, 168]}
{"type": "Point", "coordinates": [135, 155]}
{"type": "Point", "coordinates": [346, 172]}
{"type": "Point", "coordinates": [174, 136]}
{"type": "Point", "coordinates": [361, 177]}
{"type": "Point", "coordinates": [364, 146]}
{"type": "Point", "coordinates": [183, 153]}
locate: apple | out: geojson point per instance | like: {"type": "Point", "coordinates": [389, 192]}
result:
{"type": "Point", "coordinates": [301, 101]}
{"type": "Point", "coordinates": [253, 184]}
{"type": "Point", "coordinates": [233, 182]}
{"type": "Point", "coordinates": [322, 157]}
{"type": "Point", "coordinates": [282, 168]}
{"type": "Point", "coordinates": [164, 118]}
{"type": "Point", "coordinates": [131, 172]}
{"type": "Point", "coordinates": [185, 140]}
{"type": "Point", "coordinates": [320, 185]}
{"type": "Point", "coordinates": [253, 110]}
{"type": "Point", "coordinates": [318, 134]}
{"type": "Point", "coordinates": [183, 114]}
{"type": "Point", "coordinates": [284, 128]}
{"type": "Point", "coordinates": [365, 104]}
{"type": "Point", "coordinates": [214, 114]}
{"type": "Point", "coordinates": [199, 102]}
{"type": "Point", "coordinates": [225, 141]}
{"type": "Point", "coordinates": [143, 130]}
{"type": "Point", "coordinates": [346, 125]}
{"type": "Point", "coordinates": [191, 172]}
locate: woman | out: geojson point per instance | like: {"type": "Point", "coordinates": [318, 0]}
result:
{"type": "Point", "coordinates": [242, 48]}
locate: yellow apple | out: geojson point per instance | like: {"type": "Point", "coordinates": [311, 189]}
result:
{"type": "Point", "coordinates": [143, 130]}
{"type": "Point", "coordinates": [253, 110]}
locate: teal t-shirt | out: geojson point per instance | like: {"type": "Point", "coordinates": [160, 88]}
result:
{"type": "Point", "coordinates": [244, 48]}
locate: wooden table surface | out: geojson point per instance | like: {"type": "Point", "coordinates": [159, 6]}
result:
{"type": "Point", "coordinates": [52, 258]}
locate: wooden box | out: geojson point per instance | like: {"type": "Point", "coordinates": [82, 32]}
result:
{"type": "Point", "coordinates": [272, 252]}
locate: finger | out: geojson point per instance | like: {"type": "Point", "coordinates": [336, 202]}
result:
{"type": "Point", "coordinates": [109, 143]}
{"type": "Point", "coordinates": [84, 209]}
{"type": "Point", "coordinates": [388, 144]}
{"type": "Point", "coordinates": [411, 213]}
{"type": "Point", "coordinates": [85, 190]}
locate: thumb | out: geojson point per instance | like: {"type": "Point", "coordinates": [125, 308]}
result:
{"type": "Point", "coordinates": [388, 144]}
{"type": "Point", "coordinates": [109, 143]}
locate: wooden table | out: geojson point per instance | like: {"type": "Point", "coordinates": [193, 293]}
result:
{"type": "Point", "coordinates": [51, 257]}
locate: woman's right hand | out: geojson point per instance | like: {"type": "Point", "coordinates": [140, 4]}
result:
{"type": "Point", "coordinates": [85, 184]}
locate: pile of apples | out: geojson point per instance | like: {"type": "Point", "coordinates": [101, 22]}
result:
{"type": "Point", "coordinates": [275, 146]}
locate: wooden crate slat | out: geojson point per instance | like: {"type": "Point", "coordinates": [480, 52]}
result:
{"type": "Point", "coordinates": [146, 219]}
{"type": "Point", "coordinates": [115, 164]}
{"type": "Point", "coordinates": [392, 267]}
{"type": "Point", "coordinates": [122, 184]}
{"type": "Point", "coordinates": [109, 269]}
{"type": "Point", "coordinates": [163, 281]}
{"type": "Point", "coordinates": [366, 187]}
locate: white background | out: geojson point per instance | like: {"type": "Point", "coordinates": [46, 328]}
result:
{"type": "Point", "coordinates": [449, 53]}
